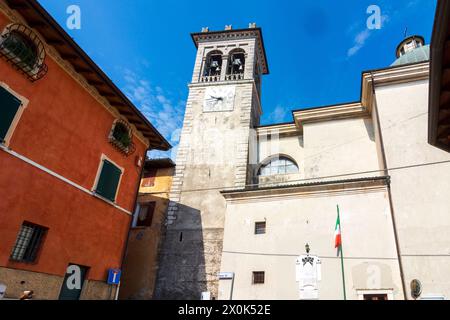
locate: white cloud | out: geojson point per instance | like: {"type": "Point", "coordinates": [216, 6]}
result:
{"type": "Point", "coordinates": [165, 113]}
{"type": "Point", "coordinates": [359, 42]}
{"type": "Point", "coordinates": [361, 37]}
{"type": "Point", "coordinates": [278, 114]}
{"type": "Point", "coordinates": [412, 3]}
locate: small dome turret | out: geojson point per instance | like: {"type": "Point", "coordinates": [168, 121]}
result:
{"type": "Point", "coordinates": [411, 50]}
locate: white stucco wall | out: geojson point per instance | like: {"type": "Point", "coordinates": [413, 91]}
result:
{"type": "Point", "coordinates": [421, 195]}
{"type": "Point", "coordinates": [292, 221]}
{"type": "Point", "coordinates": [282, 145]}
{"type": "Point", "coordinates": [288, 145]}
{"type": "Point", "coordinates": [339, 147]}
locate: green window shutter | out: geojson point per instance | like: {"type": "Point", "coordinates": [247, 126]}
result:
{"type": "Point", "coordinates": [108, 181]}
{"type": "Point", "coordinates": [9, 105]}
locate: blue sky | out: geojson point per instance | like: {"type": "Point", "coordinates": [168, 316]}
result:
{"type": "Point", "coordinates": [316, 49]}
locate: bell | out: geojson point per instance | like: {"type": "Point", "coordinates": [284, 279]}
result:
{"type": "Point", "coordinates": [241, 68]}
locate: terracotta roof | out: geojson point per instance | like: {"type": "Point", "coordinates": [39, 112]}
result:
{"type": "Point", "coordinates": [40, 20]}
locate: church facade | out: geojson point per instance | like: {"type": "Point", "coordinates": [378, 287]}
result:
{"type": "Point", "coordinates": [246, 199]}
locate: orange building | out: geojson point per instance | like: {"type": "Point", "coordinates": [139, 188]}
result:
{"type": "Point", "coordinates": [71, 157]}
{"type": "Point", "coordinates": [141, 260]}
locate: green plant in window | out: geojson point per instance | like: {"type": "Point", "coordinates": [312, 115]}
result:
{"type": "Point", "coordinates": [122, 134]}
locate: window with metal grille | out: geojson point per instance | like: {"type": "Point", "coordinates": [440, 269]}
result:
{"type": "Point", "coordinates": [145, 214]}
{"type": "Point", "coordinates": [121, 137]}
{"type": "Point", "coordinates": [258, 277]}
{"type": "Point", "coordinates": [260, 227]}
{"type": "Point", "coordinates": [24, 50]}
{"type": "Point", "coordinates": [9, 107]}
{"type": "Point", "coordinates": [149, 178]}
{"type": "Point", "coordinates": [108, 182]}
{"type": "Point", "coordinates": [28, 242]}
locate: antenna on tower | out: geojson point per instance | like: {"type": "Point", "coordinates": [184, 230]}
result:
{"type": "Point", "coordinates": [406, 32]}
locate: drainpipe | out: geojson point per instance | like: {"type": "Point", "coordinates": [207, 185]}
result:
{"type": "Point", "coordinates": [131, 220]}
{"type": "Point", "coordinates": [391, 205]}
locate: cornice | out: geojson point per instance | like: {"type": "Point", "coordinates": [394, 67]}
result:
{"type": "Point", "coordinates": [401, 74]}
{"type": "Point", "coordinates": [285, 129]}
{"type": "Point", "coordinates": [324, 188]}
{"type": "Point", "coordinates": [389, 76]}
{"type": "Point", "coordinates": [370, 80]}
{"type": "Point", "coordinates": [351, 110]}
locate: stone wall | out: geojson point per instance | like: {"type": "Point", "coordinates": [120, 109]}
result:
{"type": "Point", "coordinates": [47, 287]}
{"type": "Point", "coordinates": [213, 154]}
{"type": "Point", "coordinates": [190, 254]}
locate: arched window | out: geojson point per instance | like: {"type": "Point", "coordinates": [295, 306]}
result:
{"type": "Point", "coordinates": [213, 65]}
{"type": "Point", "coordinates": [121, 137]}
{"type": "Point", "coordinates": [236, 64]}
{"type": "Point", "coordinates": [278, 165]}
{"type": "Point", "coordinates": [22, 48]}
{"type": "Point", "coordinates": [121, 133]}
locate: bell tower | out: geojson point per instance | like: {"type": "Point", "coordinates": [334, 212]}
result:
{"type": "Point", "coordinates": [214, 154]}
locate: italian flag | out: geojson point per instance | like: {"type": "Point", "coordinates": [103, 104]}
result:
{"type": "Point", "coordinates": [337, 233]}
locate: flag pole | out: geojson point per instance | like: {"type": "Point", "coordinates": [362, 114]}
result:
{"type": "Point", "coordinates": [342, 256]}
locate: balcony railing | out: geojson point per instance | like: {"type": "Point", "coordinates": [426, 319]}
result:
{"type": "Point", "coordinates": [236, 76]}
{"type": "Point", "coordinates": [215, 78]}
{"type": "Point", "coordinates": [228, 77]}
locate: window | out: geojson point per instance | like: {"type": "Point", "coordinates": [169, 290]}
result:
{"type": "Point", "coordinates": [121, 137]}
{"type": "Point", "coordinates": [258, 277]}
{"type": "Point", "coordinates": [108, 181]}
{"type": "Point", "coordinates": [213, 66]}
{"type": "Point", "coordinates": [375, 297]}
{"type": "Point", "coordinates": [28, 242]}
{"type": "Point", "coordinates": [149, 178]}
{"type": "Point", "coordinates": [236, 65]}
{"type": "Point", "coordinates": [145, 214]}
{"type": "Point", "coordinates": [280, 165]}
{"type": "Point", "coordinates": [21, 47]}
{"type": "Point", "coordinates": [9, 107]}
{"type": "Point", "coordinates": [375, 294]}
{"type": "Point", "coordinates": [260, 227]}
{"type": "Point", "coordinates": [122, 134]}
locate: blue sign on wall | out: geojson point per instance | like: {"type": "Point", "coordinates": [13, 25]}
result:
{"type": "Point", "coordinates": [114, 276]}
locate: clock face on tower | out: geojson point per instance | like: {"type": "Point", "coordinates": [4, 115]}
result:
{"type": "Point", "coordinates": [219, 99]}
